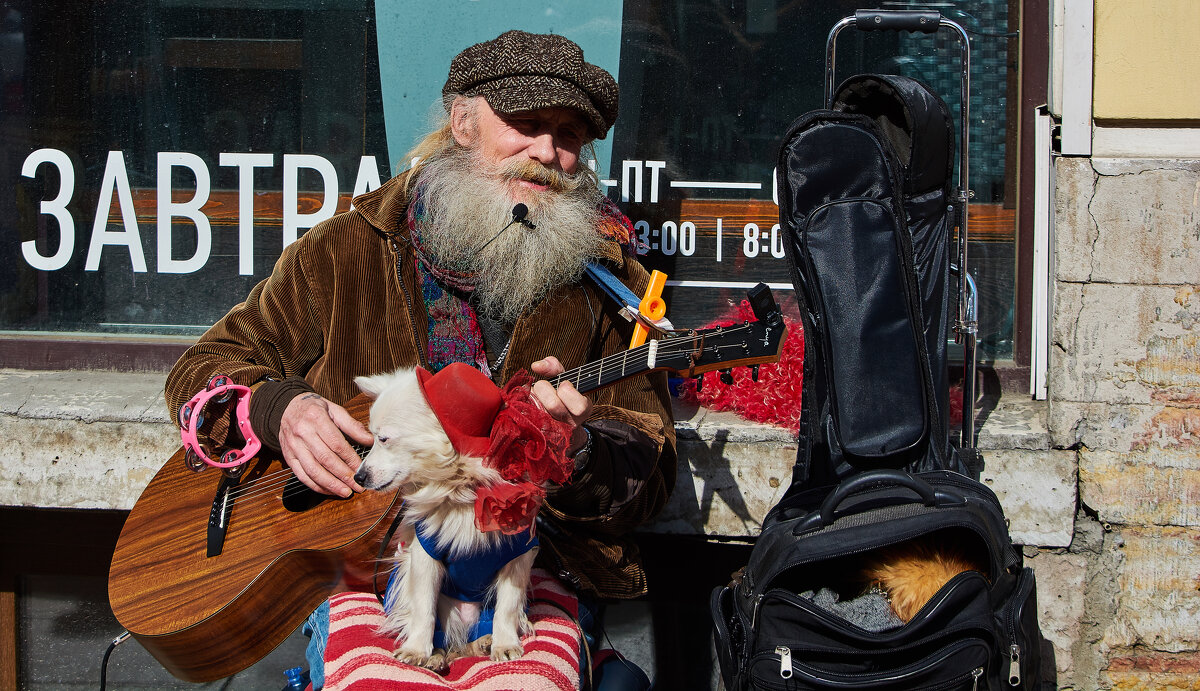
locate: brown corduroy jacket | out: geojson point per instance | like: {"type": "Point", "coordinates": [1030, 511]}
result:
{"type": "Point", "coordinates": [344, 301]}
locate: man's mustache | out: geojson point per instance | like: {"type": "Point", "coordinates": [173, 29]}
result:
{"type": "Point", "coordinates": [535, 172]}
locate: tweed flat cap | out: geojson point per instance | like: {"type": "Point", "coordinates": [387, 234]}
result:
{"type": "Point", "coordinates": [519, 71]}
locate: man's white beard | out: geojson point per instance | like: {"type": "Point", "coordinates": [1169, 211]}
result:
{"type": "Point", "coordinates": [467, 202]}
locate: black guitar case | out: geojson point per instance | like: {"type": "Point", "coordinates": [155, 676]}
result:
{"type": "Point", "coordinates": [865, 209]}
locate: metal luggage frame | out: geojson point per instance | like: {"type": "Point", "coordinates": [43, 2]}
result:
{"type": "Point", "coordinates": [966, 324]}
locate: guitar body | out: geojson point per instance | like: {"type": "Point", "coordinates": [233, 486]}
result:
{"type": "Point", "coordinates": [207, 617]}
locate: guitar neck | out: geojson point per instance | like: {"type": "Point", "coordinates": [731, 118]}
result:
{"type": "Point", "coordinates": [610, 370]}
{"type": "Point", "coordinates": [694, 352]}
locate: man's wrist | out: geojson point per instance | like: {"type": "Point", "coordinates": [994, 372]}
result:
{"type": "Point", "coordinates": [267, 404]}
{"type": "Point", "coordinates": [583, 453]}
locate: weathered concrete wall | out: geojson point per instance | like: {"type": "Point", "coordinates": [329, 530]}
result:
{"type": "Point", "coordinates": [1124, 385]}
{"type": "Point", "coordinates": [81, 439]}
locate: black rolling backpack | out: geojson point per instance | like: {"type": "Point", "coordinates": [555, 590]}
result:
{"type": "Point", "coordinates": [867, 208]}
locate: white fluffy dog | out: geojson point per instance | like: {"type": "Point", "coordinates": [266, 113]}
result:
{"type": "Point", "coordinates": [438, 484]}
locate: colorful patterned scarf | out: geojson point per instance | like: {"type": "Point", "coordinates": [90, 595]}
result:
{"type": "Point", "coordinates": [454, 333]}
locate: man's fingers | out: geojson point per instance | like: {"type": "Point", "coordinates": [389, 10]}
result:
{"type": "Point", "coordinates": [336, 455]}
{"type": "Point", "coordinates": [547, 367]}
{"type": "Point", "coordinates": [340, 472]}
{"type": "Point", "coordinates": [328, 458]}
{"type": "Point", "coordinates": [565, 403]}
{"type": "Point", "coordinates": [355, 430]}
{"type": "Point", "coordinates": [548, 397]}
{"type": "Point", "coordinates": [311, 437]}
{"type": "Point", "coordinates": [316, 476]}
{"type": "Point", "coordinates": [302, 475]}
{"type": "Point", "coordinates": [576, 403]}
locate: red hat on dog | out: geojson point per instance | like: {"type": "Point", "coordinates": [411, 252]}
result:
{"type": "Point", "coordinates": [466, 402]}
{"type": "Point", "coordinates": [507, 428]}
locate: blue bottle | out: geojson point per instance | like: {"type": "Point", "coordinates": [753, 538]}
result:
{"type": "Point", "coordinates": [297, 679]}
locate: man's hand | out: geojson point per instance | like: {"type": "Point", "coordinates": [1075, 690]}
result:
{"type": "Point", "coordinates": [565, 403]}
{"type": "Point", "coordinates": [312, 436]}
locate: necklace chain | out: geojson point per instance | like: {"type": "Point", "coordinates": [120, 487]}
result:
{"type": "Point", "coordinates": [503, 354]}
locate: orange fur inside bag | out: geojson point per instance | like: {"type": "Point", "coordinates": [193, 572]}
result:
{"type": "Point", "coordinates": [912, 572]}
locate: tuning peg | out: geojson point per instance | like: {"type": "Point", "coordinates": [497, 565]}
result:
{"type": "Point", "coordinates": [754, 373]}
{"type": "Point", "coordinates": [726, 377]}
{"type": "Point", "coordinates": [699, 382]}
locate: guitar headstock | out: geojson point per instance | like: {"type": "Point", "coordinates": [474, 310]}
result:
{"type": "Point", "coordinates": [694, 352]}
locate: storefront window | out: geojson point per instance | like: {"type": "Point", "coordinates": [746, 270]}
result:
{"type": "Point", "coordinates": [708, 91]}
{"type": "Point", "coordinates": [158, 155]}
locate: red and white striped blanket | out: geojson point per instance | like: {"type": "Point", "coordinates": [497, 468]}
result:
{"type": "Point", "coordinates": [358, 659]}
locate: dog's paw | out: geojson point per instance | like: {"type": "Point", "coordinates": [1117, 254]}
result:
{"type": "Point", "coordinates": [480, 647]}
{"type": "Point", "coordinates": [502, 653]}
{"type": "Point", "coordinates": [436, 661]}
{"type": "Point", "coordinates": [409, 657]}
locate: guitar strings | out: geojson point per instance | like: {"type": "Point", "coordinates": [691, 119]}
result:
{"type": "Point", "coordinates": [666, 347]}
{"type": "Point", "coordinates": [268, 483]}
{"type": "Point", "coordinates": [264, 487]}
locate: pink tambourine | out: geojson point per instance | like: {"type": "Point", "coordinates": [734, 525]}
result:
{"type": "Point", "coordinates": [191, 417]}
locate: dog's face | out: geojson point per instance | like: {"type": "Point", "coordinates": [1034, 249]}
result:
{"type": "Point", "coordinates": [409, 441]}
{"type": "Point", "coordinates": [410, 445]}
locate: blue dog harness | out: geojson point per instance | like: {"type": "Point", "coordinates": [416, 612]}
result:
{"type": "Point", "coordinates": [468, 577]}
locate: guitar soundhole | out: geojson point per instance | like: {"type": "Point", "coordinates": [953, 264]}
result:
{"type": "Point", "coordinates": [297, 497]}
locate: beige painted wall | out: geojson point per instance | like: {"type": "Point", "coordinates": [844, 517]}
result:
{"type": "Point", "coordinates": [1147, 58]}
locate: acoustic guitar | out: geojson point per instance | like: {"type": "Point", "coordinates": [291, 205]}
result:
{"type": "Point", "coordinates": [211, 573]}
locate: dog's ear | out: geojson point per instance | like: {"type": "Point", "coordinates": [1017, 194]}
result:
{"type": "Point", "coordinates": [374, 385]}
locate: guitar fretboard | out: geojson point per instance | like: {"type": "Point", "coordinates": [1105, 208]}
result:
{"type": "Point", "coordinates": [611, 369]}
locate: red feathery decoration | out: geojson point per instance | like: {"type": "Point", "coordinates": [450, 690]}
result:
{"type": "Point", "coordinates": [775, 398]}
{"type": "Point", "coordinates": [528, 448]}
{"type": "Point", "coordinates": [507, 507]}
{"type": "Point", "coordinates": [527, 443]}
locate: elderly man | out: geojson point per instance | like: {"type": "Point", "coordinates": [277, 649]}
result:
{"type": "Point", "coordinates": [475, 255]}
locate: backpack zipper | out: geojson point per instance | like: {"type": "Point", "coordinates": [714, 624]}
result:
{"type": "Point", "coordinates": [1014, 665]}
{"type": "Point", "coordinates": [1021, 592]}
{"type": "Point", "coordinates": [815, 678]}
{"type": "Point", "coordinates": [785, 661]}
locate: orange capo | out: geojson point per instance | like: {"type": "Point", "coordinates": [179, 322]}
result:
{"type": "Point", "coordinates": [652, 306]}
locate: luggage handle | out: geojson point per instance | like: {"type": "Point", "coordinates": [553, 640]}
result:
{"type": "Point", "coordinates": [875, 478]}
{"type": "Point", "coordinates": [898, 20]}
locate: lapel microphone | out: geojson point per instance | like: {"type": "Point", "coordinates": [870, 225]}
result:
{"type": "Point", "coordinates": [519, 212]}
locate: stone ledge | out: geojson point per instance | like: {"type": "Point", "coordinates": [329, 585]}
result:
{"type": "Point", "coordinates": [1016, 421]}
{"type": "Point", "coordinates": [94, 439]}
{"type": "Point", "coordinates": [1038, 492]}
{"type": "Point", "coordinates": [83, 396]}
